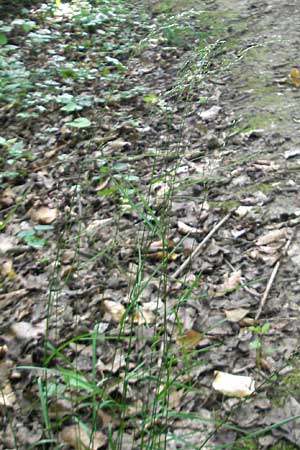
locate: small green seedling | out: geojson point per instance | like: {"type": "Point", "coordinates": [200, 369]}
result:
{"type": "Point", "coordinates": [259, 331]}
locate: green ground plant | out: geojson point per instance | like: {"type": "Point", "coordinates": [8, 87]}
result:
{"type": "Point", "coordinates": [79, 396]}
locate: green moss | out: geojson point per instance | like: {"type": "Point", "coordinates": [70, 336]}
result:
{"type": "Point", "coordinates": [260, 120]}
{"type": "Point", "coordinates": [227, 205]}
{"type": "Point", "coordinates": [246, 444]}
{"type": "Point", "coordinates": [262, 187]}
{"type": "Point", "coordinates": [283, 445]}
{"type": "Point", "coordinates": [253, 444]}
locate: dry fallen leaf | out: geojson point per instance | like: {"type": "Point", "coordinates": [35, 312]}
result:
{"type": "Point", "coordinates": [230, 282]}
{"type": "Point", "coordinates": [233, 385]}
{"type": "Point", "coordinates": [79, 439]}
{"type": "Point", "coordinates": [235, 315]}
{"type": "Point", "coordinates": [160, 256]}
{"type": "Point", "coordinates": [7, 243]}
{"type": "Point", "coordinates": [25, 330]}
{"type": "Point", "coordinates": [7, 395]}
{"type": "Point", "coordinates": [160, 245]}
{"type": "Point", "coordinates": [116, 310]}
{"type": "Point", "coordinates": [44, 215]}
{"type": "Point", "coordinates": [294, 77]}
{"type": "Point", "coordinates": [242, 211]}
{"type": "Point", "coordinates": [272, 236]}
{"type": "Point", "coordinates": [7, 269]}
{"type": "Point", "coordinates": [190, 339]}
{"type": "Point", "coordinates": [7, 197]}
{"type": "Point", "coordinates": [143, 316]}
{"type": "Point", "coordinates": [189, 246]}
{"type": "Point", "coordinates": [118, 144]}
{"type": "Point", "coordinates": [186, 229]}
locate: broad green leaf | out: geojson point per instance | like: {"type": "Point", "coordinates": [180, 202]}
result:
{"type": "Point", "coordinates": [3, 39]}
{"type": "Point", "coordinates": [255, 345]}
{"type": "Point", "coordinates": [150, 98]}
{"type": "Point", "coordinates": [80, 122]}
{"type": "Point", "coordinates": [69, 107]}
{"type": "Point", "coordinates": [265, 328]}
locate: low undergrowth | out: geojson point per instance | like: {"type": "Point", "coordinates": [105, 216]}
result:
{"type": "Point", "coordinates": [98, 97]}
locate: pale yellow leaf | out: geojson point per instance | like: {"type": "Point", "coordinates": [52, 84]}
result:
{"type": "Point", "coordinates": [7, 269]}
{"type": "Point", "coordinates": [183, 228]}
{"type": "Point", "coordinates": [7, 395]}
{"type": "Point", "coordinates": [235, 315]}
{"type": "Point", "coordinates": [233, 385]}
{"type": "Point", "coordinates": [44, 215]}
{"type": "Point", "coordinates": [116, 310]}
{"type": "Point", "coordinates": [272, 236]}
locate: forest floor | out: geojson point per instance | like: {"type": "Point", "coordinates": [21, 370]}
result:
{"type": "Point", "coordinates": [149, 242]}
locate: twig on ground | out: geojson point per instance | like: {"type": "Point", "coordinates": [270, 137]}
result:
{"type": "Point", "coordinates": [272, 278]}
{"type": "Point", "coordinates": [199, 247]}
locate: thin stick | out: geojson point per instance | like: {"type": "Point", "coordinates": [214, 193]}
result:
{"type": "Point", "coordinates": [199, 247]}
{"type": "Point", "coordinates": [272, 278]}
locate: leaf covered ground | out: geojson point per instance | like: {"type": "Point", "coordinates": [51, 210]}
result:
{"type": "Point", "coordinates": [149, 231]}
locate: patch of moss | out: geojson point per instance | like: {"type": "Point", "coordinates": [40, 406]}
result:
{"type": "Point", "coordinates": [252, 444]}
{"type": "Point", "coordinates": [283, 445]}
{"type": "Point", "coordinates": [262, 187]}
{"type": "Point", "coordinates": [227, 205]}
{"type": "Point", "coordinates": [260, 120]}
{"type": "Point", "coordinates": [246, 444]}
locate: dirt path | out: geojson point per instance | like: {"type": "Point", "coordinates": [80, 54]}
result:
{"type": "Point", "coordinates": [261, 158]}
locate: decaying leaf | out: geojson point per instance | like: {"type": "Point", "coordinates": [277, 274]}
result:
{"type": "Point", "coordinates": [242, 211]}
{"type": "Point", "coordinates": [190, 339]}
{"type": "Point", "coordinates": [6, 243]}
{"type": "Point", "coordinates": [44, 215]}
{"type": "Point", "coordinates": [294, 77]}
{"type": "Point", "coordinates": [230, 282]}
{"type": "Point", "coordinates": [186, 229]}
{"type": "Point", "coordinates": [143, 316]}
{"type": "Point", "coordinates": [116, 310]}
{"type": "Point", "coordinates": [233, 385]}
{"type": "Point", "coordinates": [7, 197]}
{"type": "Point", "coordinates": [235, 315]}
{"type": "Point", "coordinates": [25, 330]}
{"type": "Point", "coordinates": [159, 256]}
{"type": "Point", "coordinates": [80, 438]}
{"type": "Point", "coordinates": [7, 395]}
{"type": "Point", "coordinates": [189, 246]}
{"type": "Point", "coordinates": [272, 236]}
{"type": "Point", "coordinates": [211, 113]}
{"type": "Point", "coordinates": [7, 269]}
{"type": "Point", "coordinates": [118, 144]}
{"type": "Point", "coordinates": [160, 245]}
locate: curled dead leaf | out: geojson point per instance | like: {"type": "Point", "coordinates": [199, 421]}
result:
{"type": "Point", "coordinates": [231, 282]}
{"type": "Point", "coordinates": [44, 215]}
{"type": "Point", "coordinates": [294, 77]}
{"type": "Point", "coordinates": [190, 339]}
{"type": "Point", "coordinates": [143, 316]}
{"type": "Point", "coordinates": [159, 256]}
{"type": "Point", "coordinates": [160, 245]}
{"type": "Point", "coordinates": [235, 315]}
{"type": "Point", "coordinates": [116, 310]}
{"type": "Point", "coordinates": [233, 385]}
{"type": "Point", "coordinates": [186, 229]}
{"type": "Point", "coordinates": [7, 395]}
{"type": "Point", "coordinates": [272, 236]}
{"type": "Point", "coordinates": [7, 269]}
{"type": "Point", "coordinates": [80, 438]}
{"type": "Point", "coordinates": [7, 197]}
